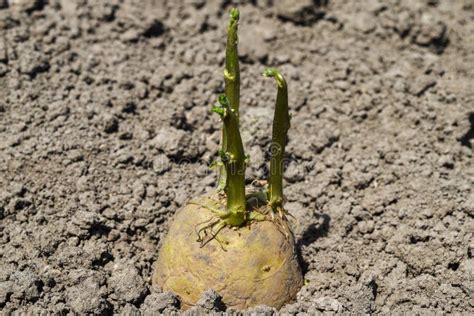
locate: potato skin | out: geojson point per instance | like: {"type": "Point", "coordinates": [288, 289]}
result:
{"type": "Point", "coordinates": [259, 266]}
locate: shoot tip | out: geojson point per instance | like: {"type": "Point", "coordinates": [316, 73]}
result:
{"type": "Point", "coordinates": [270, 72]}
{"type": "Point", "coordinates": [234, 15]}
{"type": "Point", "coordinates": [275, 73]}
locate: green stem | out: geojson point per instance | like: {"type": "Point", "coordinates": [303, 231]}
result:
{"type": "Point", "coordinates": [232, 174]}
{"type": "Point", "coordinates": [234, 163]}
{"type": "Point", "coordinates": [222, 181]}
{"type": "Point", "coordinates": [232, 72]}
{"type": "Point", "coordinates": [281, 124]}
{"type": "Point", "coordinates": [232, 83]}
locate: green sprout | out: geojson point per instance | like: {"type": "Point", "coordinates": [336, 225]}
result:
{"type": "Point", "coordinates": [281, 125]}
{"type": "Point", "coordinates": [232, 83]}
{"type": "Point", "coordinates": [232, 171]}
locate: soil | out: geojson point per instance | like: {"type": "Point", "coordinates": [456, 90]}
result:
{"type": "Point", "coordinates": [106, 130]}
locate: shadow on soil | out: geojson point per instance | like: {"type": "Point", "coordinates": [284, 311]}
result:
{"type": "Point", "coordinates": [311, 234]}
{"type": "Point", "coordinates": [466, 138]}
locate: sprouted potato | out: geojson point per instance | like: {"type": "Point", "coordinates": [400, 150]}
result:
{"type": "Point", "coordinates": [236, 242]}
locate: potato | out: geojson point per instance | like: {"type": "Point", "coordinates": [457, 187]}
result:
{"type": "Point", "coordinates": [258, 266]}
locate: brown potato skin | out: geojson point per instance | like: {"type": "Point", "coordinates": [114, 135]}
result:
{"type": "Point", "coordinates": [259, 266]}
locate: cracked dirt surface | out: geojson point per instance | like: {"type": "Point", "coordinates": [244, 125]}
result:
{"type": "Point", "coordinates": [106, 130]}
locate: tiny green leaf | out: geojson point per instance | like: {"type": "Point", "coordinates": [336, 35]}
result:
{"type": "Point", "coordinates": [216, 164]}
{"type": "Point", "coordinates": [219, 110]}
{"type": "Point", "coordinates": [223, 101]}
{"type": "Point", "coordinates": [222, 154]}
